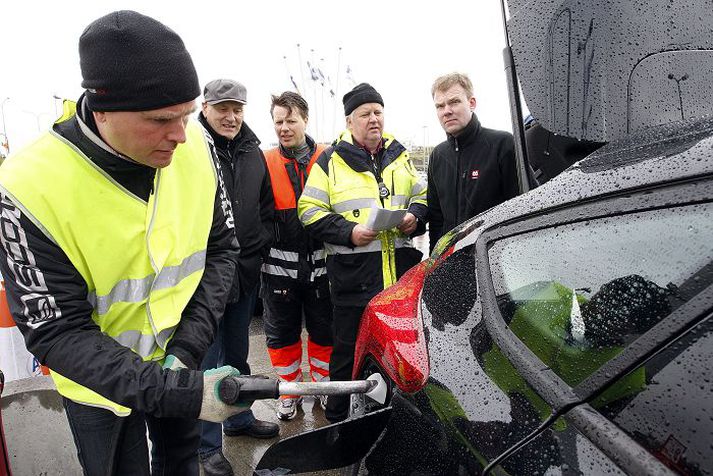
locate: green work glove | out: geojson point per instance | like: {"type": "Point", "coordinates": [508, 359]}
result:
{"type": "Point", "coordinates": [171, 362]}
{"type": "Point", "coordinates": [212, 408]}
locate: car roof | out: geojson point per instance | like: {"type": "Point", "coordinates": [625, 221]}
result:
{"type": "Point", "coordinates": [655, 156]}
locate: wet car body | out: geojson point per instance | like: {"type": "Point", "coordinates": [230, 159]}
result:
{"type": "Point", "coordinates": [471, 389]}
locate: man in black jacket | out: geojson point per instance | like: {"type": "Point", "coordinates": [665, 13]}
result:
{"type": "Point", "coordinates": [249, 189]}
{"type": "Point", "coordinates": [474, 168]}
{"type": "Point", "coordinates": [117, 259]}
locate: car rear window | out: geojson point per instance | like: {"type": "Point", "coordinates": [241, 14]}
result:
{"type": "Point", "coordinates": [579, 293]}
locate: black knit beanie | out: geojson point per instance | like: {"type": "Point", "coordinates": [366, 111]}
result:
{"type": "Point", "coordinates": [131, 62]}
{"type": "Point", "coordinates": [361, 94]}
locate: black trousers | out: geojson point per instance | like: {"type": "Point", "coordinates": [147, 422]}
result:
{"type": "Point", "coordinates": [109, 445]}
{"type": "Point", "coordinates": [286, 301]}
{"type": "Point", "coordinates": [345, 328]}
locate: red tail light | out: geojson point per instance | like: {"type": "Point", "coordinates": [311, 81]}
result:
{"type": "Point", "coordinates": [391, 332]}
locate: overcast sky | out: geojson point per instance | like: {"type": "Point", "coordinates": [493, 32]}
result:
{"type": "Point", "coordinates": [397, 46]}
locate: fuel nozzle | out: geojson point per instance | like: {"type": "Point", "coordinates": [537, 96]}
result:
{"type": "Point", "coordinates": [245, 389]}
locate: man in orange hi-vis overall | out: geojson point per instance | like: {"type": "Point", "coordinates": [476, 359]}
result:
{"type": "Point", "coordinates": [294, 275]}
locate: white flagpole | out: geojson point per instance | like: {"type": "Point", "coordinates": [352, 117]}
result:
{"type": "Point", "coordinates": [336, 93]}
{"type": "Point", "coordinates": [299, 59]}
{"type": "Point", "coordinates": [289, 76]}
{"type": "Point", "coordinates": [314, 91]}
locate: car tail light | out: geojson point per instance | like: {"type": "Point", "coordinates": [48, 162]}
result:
{"type": "Point", "coordinates": [391, 332]}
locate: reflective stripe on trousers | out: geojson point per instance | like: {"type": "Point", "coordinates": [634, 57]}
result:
{"type": "Point", "coordinates": [287, 361]}
{"type": "Point", "coordinates": [279, 270]}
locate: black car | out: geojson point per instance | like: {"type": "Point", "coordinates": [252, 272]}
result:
{"type": "Point", "coordinates": [568, 330]}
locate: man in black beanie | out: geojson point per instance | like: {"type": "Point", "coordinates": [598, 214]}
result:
{"type": "Point", "coordinates": [365, 170]}
{"type": "Point", "coordinates": [118, 259]}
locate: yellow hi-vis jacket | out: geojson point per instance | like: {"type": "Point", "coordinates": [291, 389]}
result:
{"type": "Point", "coordinates": [342, 189]}
{"type": "Point", "coordinates": [141, 261]}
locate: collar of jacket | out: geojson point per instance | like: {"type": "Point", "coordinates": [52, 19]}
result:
{"type": "Point", "coordinates": [245, 141]}
{"type": "Point", "coordinates": [81, 131]}
{"type": "Point", "coordinates": [467, 135]}
{"type": "Point", "coordinates": [358, 159]}
{"type": "Point", "coordinates": [88, 127]}
{"type": "Point", "coordinates": [286, 153]}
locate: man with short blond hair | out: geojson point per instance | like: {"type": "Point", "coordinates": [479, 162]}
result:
{"type": "Point", "coordinates": [474, 168]}
{"type": "Point", "coordinates": [447, 81]}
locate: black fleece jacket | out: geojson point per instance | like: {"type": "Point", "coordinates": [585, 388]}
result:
{"type": "Point", "coordinates": [467, 175]}
{"type": "Point", "coordinates": [250, 190]}
{"type": "Point", "coordinates": [71, 343]}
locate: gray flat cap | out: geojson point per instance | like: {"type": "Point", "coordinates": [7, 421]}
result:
{"type": "Point", "coordinates": [220, 90]}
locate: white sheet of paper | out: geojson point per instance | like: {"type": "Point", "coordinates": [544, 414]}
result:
{"type": "Point", "coordinates": [382, 219]}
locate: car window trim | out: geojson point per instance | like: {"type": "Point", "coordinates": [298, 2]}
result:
{"type": "Point", "coordinates": [548, 385]}
{"type": "Point", "coordinates": [669, 329]}
{"type": "Point", "coordinates": [614, 442]}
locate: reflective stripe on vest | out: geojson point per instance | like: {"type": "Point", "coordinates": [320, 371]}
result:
{"type": "Point", "coordinates": [136, 290]}
{"type": "Point", "coordinates": [141, 261]}
{"type": "Point", "coordinates": [376, 245]}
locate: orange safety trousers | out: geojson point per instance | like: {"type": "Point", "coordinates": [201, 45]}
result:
{"type": "Point", "coordinates": [287, 362]}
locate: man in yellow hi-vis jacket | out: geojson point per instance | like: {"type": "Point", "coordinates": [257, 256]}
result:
{"type": "Point", "coordinates": [364, 170]}
{"type": "Point", "coordinates": [118, 252]}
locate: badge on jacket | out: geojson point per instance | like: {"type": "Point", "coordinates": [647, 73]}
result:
{"type": "Point", "coordinates": [474, 174]}
{"type": "Point", "coordinates": [383, 190]}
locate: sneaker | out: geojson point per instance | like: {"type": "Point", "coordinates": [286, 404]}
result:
{"type": "Point", "coordinates": [322, 401]}
{"type": "Point", "coordinates": [287, 407]}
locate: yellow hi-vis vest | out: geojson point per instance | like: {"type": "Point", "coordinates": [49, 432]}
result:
{"type": "Point", "coordinates": [141, 261]}
{"type": "Point", "coordinates": [354, 195]}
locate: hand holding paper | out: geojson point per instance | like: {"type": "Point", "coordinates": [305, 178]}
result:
{"type": "Point", "coordinates": [362, 236]}
{"type": "Point", "coordinates": [408, 224]}
{"type": "Point", "coordinates": [381, 219]}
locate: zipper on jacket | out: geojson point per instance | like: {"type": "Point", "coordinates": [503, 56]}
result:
{"type": "Point", "coordinates": [460, 183]}
{"type": "Point", "coordinates": [376, 170]}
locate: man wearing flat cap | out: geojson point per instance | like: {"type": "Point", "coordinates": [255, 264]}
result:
{"type": "Point", "coordinates": [250, 192]}
{"type": "Point", "coordinates": [365, 170]}
{"type": "Point", "coordinates": [118, 252]}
